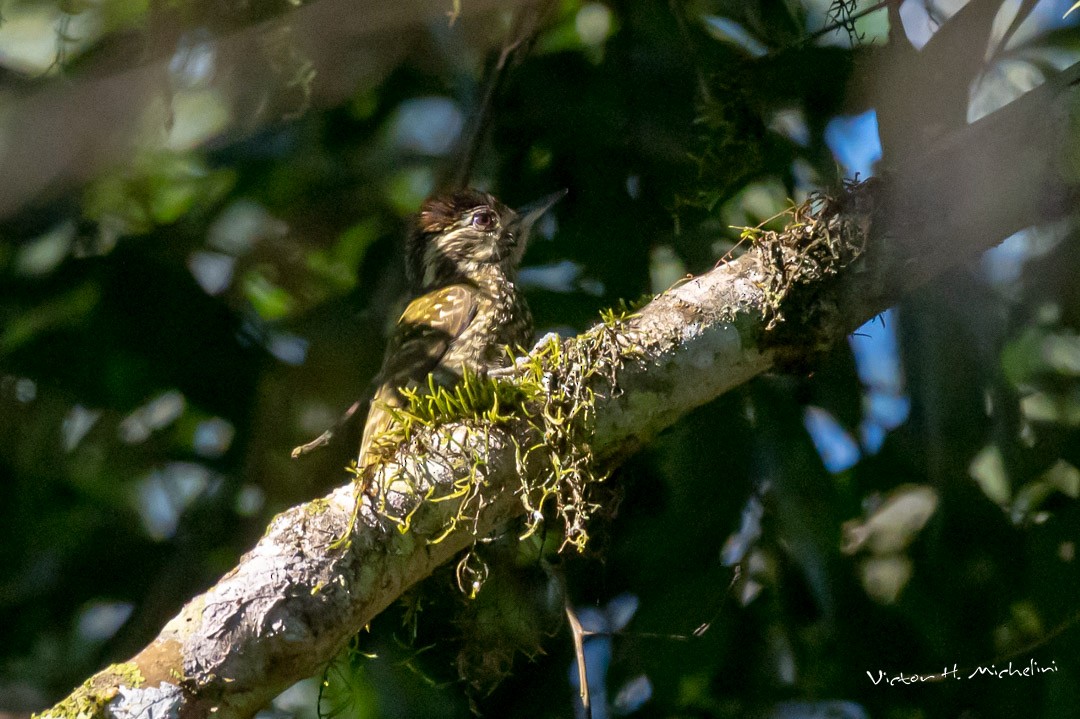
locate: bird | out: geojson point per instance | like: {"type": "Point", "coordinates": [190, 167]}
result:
{"type": "Point", "coordinates": [461, 260]}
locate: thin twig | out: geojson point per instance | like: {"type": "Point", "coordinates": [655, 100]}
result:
{"type": "Point", "coordinates": [850, 19]}
{"type": "Point", "coordinates": [326, 437]}
{"type": "Point", "coordinates": [577, 633]}
{"type": "Point", "coordinates": [523, 30]}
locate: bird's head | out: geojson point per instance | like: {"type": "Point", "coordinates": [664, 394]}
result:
{"type": "Point", "coordinates": [461, 235]}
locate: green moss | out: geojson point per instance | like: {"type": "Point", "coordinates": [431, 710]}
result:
{"type": "Point", "coordinates": [88, 701]}
{"type": "Point", "coordinates": [549, 388]}
{"type": "Point", "coordinates": [821, 236]}
{"type": "Point", "coordinates": [552, 390]}
{"type": "Point", "coordinates": [623, 310]}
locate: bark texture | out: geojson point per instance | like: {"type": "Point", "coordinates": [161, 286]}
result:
{"type": "Point", "coordinates": [299, 594]}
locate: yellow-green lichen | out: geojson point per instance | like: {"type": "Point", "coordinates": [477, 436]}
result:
{"type": "Point", "coordinates": [821, 236]}
{"type": "Point", "coordinates": [623, 310]}
{"type": "Point", "coordinates": [551, 390]}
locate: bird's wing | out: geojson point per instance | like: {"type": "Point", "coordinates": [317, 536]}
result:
{"type": "Point", "coordinates": [422, 336]}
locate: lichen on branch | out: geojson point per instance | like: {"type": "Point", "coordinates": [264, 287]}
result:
{"type": "Point", "coordinates": [543, 407]}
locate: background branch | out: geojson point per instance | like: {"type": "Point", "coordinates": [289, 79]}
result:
{"type": "Point", "coordinates": [296, 598]}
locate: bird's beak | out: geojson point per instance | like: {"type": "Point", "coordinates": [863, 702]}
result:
{"type": "Point", "coordinates": [533, 211]}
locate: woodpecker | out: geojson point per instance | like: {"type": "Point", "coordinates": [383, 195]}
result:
{"type": "Point", "coordinates": [462, 256]}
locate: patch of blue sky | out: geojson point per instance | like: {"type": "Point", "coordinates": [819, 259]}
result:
{"type": "Point", "coordinates": [886, 406]}
{"type": "Point", "coordinates": [855, 143]}
{"type": "Point", "coordinates": [837, 449]}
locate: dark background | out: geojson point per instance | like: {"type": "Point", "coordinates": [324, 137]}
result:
{"type": "Point", "coordinates": [201, 213]}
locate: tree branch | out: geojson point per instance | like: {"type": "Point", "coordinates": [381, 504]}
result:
{"type": "Point", "coordinates": [294, 600]}
{"type": "Point", "coordinates": [350, 45]}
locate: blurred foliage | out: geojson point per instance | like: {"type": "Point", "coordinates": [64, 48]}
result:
{"type": "Point", "coordinates": [177, 315]}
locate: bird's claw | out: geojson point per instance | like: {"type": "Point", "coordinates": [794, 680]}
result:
{"type": "Point", "coordinates": [503, 372]}
{"type": "Point", "coordinates": [544, 342]}
{"type": "Point", "coordinates": [521, 361]}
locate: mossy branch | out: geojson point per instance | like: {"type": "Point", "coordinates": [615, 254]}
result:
{"type": "Point", "coordinates": [575, 408]}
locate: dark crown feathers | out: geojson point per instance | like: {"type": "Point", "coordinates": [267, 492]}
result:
{"type": "Point", "coordinates": [439, 214]}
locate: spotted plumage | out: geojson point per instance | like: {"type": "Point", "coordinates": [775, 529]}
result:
{"type": "Point", "coordinates": [461, 261]}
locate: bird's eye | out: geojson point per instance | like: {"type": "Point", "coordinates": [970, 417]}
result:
{"type": "Point", "coordinates": [484, 220]}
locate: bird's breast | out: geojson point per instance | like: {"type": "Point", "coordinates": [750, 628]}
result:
{"type": "Point", "coordinates": [502, 319]}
